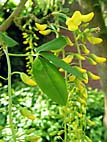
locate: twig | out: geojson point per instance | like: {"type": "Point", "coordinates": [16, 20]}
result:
{"type": "Point", "coordinates": [6, 24]}
{"type": "Point", "coordinates": [2, 7]}
{"type": "Point", "coordinates": [10, 95]}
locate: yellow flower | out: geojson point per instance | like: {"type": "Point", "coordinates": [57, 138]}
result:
{"type": "Point", "coordinates": [25, 112]}
{"type": "Point", "coordinates": [93, 76]}
{"type": "Point", "coordinates": [25, 35]}
{"type": "Point", "coordinates": [27, 80]}
{"type": "Point", "coordinates": [68, 59]}
{"type": "Point", "coordinates": [85, 50]}
{"type": "Point", "coordinates": [82, 101]}
{"type": "Point", "coordinates": [84, 93]}
{"type": "Point", "coordinates": [61, 70]}
{"type": "Point", "coordinates": [45, 32]}
{"type": "Point", "coordinates": [25, 42]}
{"type": "Point", "coordinates": [87, 17]}
{"type": "Point", "coordinates": [70, 43]}
{"type": "Point", "coordinates": [74, 21]}
{"type": "Point", "coordinates": [80, 57]}
{"type": "Point", "coordinates": [91, 123]}
{"type": "Point", "coordinates": [91, 61]}
{"type": "Point", "coordinates": [80, 69]}
{"type": "Point", "coordinates": [98, 59]}
{"type": "Point", "coordinates": [72, 78]}
{"type": "Point", "coordinates": [86, 78]}
{"type": "Point", "coordinates": [94, 40]}
{"type": "Point", "coordinates": [41, 27]}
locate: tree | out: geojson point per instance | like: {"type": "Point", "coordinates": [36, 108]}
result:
{"type": "Point", "coordinates": [46, 63]}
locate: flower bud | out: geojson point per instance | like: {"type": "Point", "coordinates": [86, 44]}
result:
{"type": "Point", "coordinates": [97, 58]}
{"type": "Point", "coordinates": [41, 27]}
{"type": "Point", "coordinates": [80, 57]}
{"type": "Point", "coordinates": [94, 40]}
{"type": "Point", "coordinates": [25, 112]}
{"type": "Point", "coordinates": [93, 76]}
{"type": "Point", "coordinates": [45, 32]}
{"type": "Point", "coordinates": [91, 61]}
{"type": "Point", "coordinates": [70, 43]}
{"type": "Point", "coordinates": [85, 78]}
{"type": "Point", "coordinates": [27, 80]}
{"type": "Point", "coordinates": [68, 59]}
{"type": "Point", "coordinates": [85, 50]}
{"type": "Point", "coordinates": [72, 78]}
{"type": "Point", "coordinates": [80, 69]}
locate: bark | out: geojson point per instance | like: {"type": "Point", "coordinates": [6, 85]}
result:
{"type": "Point", "coordinates": [105, 118]}
{"type": "Point", "coordinates": [101, 49]}
{"type": "Point", "coordinates": [6, 24]}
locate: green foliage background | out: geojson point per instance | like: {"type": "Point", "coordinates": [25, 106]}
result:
{"type": "Point", "coordinates": [48, 121]}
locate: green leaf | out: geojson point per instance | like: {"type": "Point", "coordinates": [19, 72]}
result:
{"type": "Point", "coordinates": [60, 63]}
{"type": "Point", "coordinates": [6, 40]}
{"type": "Point", "coordinates": [54, 44]}
{"type": "Point", "coordinates": [50, 80]}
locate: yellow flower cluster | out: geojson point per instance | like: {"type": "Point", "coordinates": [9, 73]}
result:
{"type": "Point", "coordinates": [43, 29]}
{"type": "Point", "coordinates": [76, 20]}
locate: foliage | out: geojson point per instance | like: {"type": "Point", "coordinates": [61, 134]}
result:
{"type": "Point", "coordinates": [95, 110]}
{"type": "Point", "coordinates": [48, 122]}
{"type": "Point", "coordinates": [44, 66]}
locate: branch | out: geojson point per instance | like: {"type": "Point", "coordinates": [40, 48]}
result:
{"type": "Point", "coordinates": [33, 5]}
{"type": "Point", "coordinates": [1, 8]}
{"type": "Point", "coordinates": [6, 24]}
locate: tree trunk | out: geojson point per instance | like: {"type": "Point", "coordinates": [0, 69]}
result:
{"type": "Point", "coordinates": [101, 49]}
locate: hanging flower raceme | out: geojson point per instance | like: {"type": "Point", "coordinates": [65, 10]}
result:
{"type": "Point", "coordinates": [43, 29]}
{"type": "Point", "coordinates": [76, 20]}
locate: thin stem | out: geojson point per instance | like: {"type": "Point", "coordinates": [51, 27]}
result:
{"type": "Point", "coordinates": [65, 127]}
{"type": "Point", "coordinates": [78, 48]}
{"type": "Point", "coordinates": [15, 72]}
{"type": "Point", "coordinates": [9, 94]}
{"type": "Point", "coordinates": [65, 132]}
{"type": "Point", "coordinates": [3, 78]}
{"type": "Point", "coordinates": [6, 24]}
{"type": "Point", "coordinates": [21, 55]}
